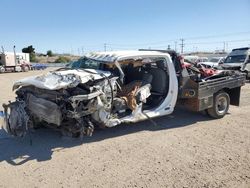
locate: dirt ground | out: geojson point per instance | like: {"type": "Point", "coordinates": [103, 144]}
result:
{"type": "Point", "coordinates": [185, 149]}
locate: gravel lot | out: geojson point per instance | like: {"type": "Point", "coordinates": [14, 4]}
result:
{"type": "Point", "coordinates": [185, 149]}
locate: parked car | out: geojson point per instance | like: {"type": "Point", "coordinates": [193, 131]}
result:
{"type": "Point", "coordinates": [202, 59]}
{"type": "Point", "coordinates": [110, 88]}
{"type": "Point", "coordinates": [38, 66]}
{"type": "Point", "coordinates": [194, 59]}
{"type": "Point", "coordinates": [239, 59]}
{"type": "Point", "coordinates": [214, 62]}
{"type": "Point", "coordinates": [191, 58]}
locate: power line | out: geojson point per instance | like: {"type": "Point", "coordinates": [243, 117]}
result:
{"type": "Point", "coordinates": [217, 42]}
{"type": "Point", "coordinates": [186, 38]}
{"type": "Point", "coordinates": [140, 44]}
{"type": "Point", "coordinates": [219, 35]}
{"type": "Point", "coordinates": [165, 42]}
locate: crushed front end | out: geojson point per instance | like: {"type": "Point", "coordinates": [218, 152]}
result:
{"type": "Point", "coordinates": [69, 101]}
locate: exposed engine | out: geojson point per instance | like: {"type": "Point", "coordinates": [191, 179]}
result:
{"type": "Point", "coordinates": [73, 110]}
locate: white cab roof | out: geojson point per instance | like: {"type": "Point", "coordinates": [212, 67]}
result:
{"type": "Point", "coordinates": [113, 56]}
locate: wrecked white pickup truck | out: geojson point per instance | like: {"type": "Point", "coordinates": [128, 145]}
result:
{"type": "Point", "coordinates": [109, 88]}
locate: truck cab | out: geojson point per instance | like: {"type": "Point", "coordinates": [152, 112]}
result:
{"type": "Point", "coordinates": [14, 62]}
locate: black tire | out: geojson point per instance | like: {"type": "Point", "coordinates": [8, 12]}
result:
{"type": "Point", "coordinates": [25, 69]}
{"type": "Point", "coordinates": [221, 105]}
{"type": "Point", "coordinates": [2, 70]}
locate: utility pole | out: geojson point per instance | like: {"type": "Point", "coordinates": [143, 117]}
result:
{"type": "Point", "coordinates": [169, 47]}
{"type": "Point", "coordinates": [2, 49]}
{"type": "Point", "coordinates": [224, 46]}
{"type": "Point", "coordinates": [71, 50]}
{"type": "Point", "coordinates": [105, 47]}
{"type": "Point", "coordinates": [82, 51]}
{"type": "Point", "coordinates": [14, 49]}
{"type": "Point", "coordinates": [78, 49]}
{"type": "Point", "coordinates": [175, 46]}
{"type": "Point", "coordinates": [182, 45]}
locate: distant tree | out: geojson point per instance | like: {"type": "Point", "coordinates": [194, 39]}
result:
{"type": "Point", "coordinates": [30, 50]}
{"type": "Point", "coordinates": [62, 59]}
{"type": "Point", "coordinates": [49, 53]}
{"type": "Point", "coordinates": [33, 57]}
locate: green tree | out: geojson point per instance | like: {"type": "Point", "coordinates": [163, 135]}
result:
{"type": "Point", "coordinates": [49, 53]}
{"type": "Point", "coordinates": [33, 57]}
{"type": "Point", "coordinates": [28, 49]}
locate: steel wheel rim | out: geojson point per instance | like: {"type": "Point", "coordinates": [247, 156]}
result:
{"type": "Point", "coordinates": [222, 105]}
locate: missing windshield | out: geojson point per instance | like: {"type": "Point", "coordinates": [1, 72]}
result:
{"type": "Point", "coordinates": [85, 63]}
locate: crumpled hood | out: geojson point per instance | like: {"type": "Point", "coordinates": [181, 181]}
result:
{"type": "Point", "coordinates": [61, 79]}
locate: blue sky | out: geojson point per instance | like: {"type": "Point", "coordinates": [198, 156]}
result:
{"type": "Point", "coordinates": [85, 25]}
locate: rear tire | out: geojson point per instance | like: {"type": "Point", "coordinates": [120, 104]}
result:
{"type": "Point", "coordinates": [221, 105]}
{"type": "Point", "coordinates": [25, 69]}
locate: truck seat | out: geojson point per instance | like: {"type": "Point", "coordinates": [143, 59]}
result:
{"type": "Point", "coordinates": [160, 82]}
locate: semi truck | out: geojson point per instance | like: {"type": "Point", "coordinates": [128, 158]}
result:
{"type": "Point", "coordinates": [14, 62]}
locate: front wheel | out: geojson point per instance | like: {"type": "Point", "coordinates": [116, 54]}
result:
{"type": "Point", "coordinates": [2, 70]}
{"type": "Point", "coordinates": [221, 105]}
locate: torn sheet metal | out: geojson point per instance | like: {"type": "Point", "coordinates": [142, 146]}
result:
{"type": "Point", "coordinates": [61, 79]}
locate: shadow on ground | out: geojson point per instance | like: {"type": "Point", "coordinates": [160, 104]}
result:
{"type": "Point", "coordinates": [17, 151]}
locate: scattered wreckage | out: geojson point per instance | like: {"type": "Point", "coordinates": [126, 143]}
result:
{"type": "Point", "coordinates": [110, 88]}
